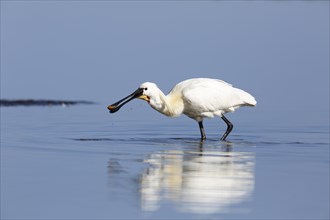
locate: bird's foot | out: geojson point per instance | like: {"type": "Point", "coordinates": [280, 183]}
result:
{"type": "Point", "coordinates": [202, 141]}
{"type": "Point", "coordinates": [226, 143]}
{"type": "Point", "coordinates": [224, 140]}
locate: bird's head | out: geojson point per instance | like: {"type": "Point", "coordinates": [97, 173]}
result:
{"type": "Point", "coordinates": [150, 90]}
{"type": "Point", "coordinates": [144, 92]}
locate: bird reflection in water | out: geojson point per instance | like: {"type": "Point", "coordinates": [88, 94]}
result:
{"type": "Point", "coordinates": [202, 182]}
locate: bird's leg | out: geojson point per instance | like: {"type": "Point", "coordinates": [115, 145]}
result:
{"type": "Point", "coordinates": [229, 128]}
{"type": "Point", "coordinates": [201, 128]}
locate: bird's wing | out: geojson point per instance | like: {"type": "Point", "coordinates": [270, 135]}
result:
{"type": "Point", "coordinates": [206, 95]}
{"type": "Point", "coordinates": [211, 96]}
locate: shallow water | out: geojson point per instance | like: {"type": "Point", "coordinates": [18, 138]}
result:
{"type": "Point", "coordinates": [80, 162]}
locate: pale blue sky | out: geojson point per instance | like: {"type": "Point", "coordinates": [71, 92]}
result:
{"type": "Point", "coordinates": [102, 50]}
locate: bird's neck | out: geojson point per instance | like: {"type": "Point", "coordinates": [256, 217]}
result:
{"type": "Point", "coordinates": [170, 105]}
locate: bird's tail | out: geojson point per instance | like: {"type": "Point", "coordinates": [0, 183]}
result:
{"type": "Point", "coordinates": [246, 98]}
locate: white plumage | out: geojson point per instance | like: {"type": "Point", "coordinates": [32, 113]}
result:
{"type": "Point", "coordinates": [197, 98]}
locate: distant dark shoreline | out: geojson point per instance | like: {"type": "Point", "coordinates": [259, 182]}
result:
{"type": "Point", "coordinates": [40, 102]}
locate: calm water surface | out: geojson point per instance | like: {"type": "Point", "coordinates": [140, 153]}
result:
{"type": "Point", "coordinates": [80, 162]}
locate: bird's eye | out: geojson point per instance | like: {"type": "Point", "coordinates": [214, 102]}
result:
{"type": "Point", "coordinates": [145, 89]}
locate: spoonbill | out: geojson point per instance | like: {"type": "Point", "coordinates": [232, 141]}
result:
{"type": "Point", "coordinates": [197, 98]}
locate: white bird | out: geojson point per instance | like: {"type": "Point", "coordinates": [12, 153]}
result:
{"type": "Point", "coordinates": [197, 98]}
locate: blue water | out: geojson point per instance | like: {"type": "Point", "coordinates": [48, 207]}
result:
{"type": "Point", "coordinates": [80, 162]}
